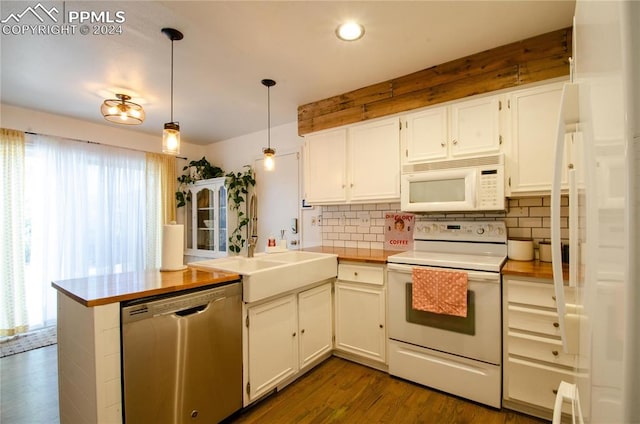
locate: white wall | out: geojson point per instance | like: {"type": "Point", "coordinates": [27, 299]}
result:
{"type": "Point", "coordinates": [234, 153]}
{"type": "Point", "coordinates": [46, 123]}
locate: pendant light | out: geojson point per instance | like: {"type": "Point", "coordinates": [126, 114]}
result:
{"type": "Point", "coordinates": [122, 111]}
{"type": "Point", "coordinates": [171, 131]}
{"type": "Point", "coordinates": [268, 152]}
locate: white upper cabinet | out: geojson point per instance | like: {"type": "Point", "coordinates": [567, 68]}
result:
{"type": "Point", "coordinates": [475, 127]}
{"type": "Point", "coordinates": [326, 167]}
{"type": "Point", "coordinates": [360, 163]}
{"type": "Point", "coordinates": [461, 129]}
{"type": "Point", "coordinates": [426, 135]}
{"type": "Point", "coordinates": [534, 120]}
{"type": "Point", "coordinates": [374, 161]}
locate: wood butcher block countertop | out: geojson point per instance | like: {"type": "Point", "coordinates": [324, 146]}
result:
{"type": "Point", "coordinates": [535, 269]}
{"type": "Point", "coordinates": [374, 256]}
{"type": "Point", "coordinates": [105, 289]}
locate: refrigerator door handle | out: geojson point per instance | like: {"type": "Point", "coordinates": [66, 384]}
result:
{"type": "Point", "coordinates": [567, 122]}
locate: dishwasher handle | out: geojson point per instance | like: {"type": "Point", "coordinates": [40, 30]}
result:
{"type": "Point", "coordinates": [191, 311]}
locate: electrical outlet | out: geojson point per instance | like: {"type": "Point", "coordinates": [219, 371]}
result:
{"type": "Point", "coordinates": [364, 219]}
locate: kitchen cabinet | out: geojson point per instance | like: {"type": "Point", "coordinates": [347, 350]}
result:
{"type": "Point", "coordinates": [460, 129]}
{"type": "Point", "coordinates": [315, 324]}
{"type": "Point", "coordinates": [273, 344]}
{"type": "Point", "coordinates": [360, 313]}
{"type": "Point", "coordinates": [354, 164]}
{"type": "Point", "coordinates": [534, 125]}
{"type": "Point", "coordinates": [534, 360]}
{"type": "Point", "coordinates": [206, 219]}
{"type": "Point", "coordinates": [286, 335]}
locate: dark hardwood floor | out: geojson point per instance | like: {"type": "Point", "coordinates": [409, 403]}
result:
{"type": "Point", "coordinates": [337, 391]}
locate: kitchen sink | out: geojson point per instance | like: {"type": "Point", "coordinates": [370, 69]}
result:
{"type": "Point", "coordinates": [267, 275]}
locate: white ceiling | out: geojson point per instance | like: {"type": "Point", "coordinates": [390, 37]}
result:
{"type": "Point", "coordinates": [230, 46]}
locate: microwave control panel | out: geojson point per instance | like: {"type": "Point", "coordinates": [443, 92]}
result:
{"type": "Point", "coordinates": [490, 185]}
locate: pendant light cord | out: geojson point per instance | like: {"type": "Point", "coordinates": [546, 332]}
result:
{"type": "Point", "coordinates": [269, 117]}
{"type": "Point", "coordinates": [171, 80]}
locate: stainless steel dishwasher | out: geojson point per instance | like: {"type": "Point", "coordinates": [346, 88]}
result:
{"type": "Point", "coordinates": [182, 357]}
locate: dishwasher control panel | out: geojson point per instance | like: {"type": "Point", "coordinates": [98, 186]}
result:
{"type": "Point", "coordinates": [190, 302]}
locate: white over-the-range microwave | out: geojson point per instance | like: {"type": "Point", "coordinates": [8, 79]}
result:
{"type": "Point", "coordinates": [459, 185]}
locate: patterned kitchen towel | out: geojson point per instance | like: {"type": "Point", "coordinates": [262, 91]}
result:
{"type": "Point", "coordinates": [438, 291]}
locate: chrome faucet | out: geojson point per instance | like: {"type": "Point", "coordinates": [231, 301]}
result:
{"type": "Point", "coordinates": [253, 225]}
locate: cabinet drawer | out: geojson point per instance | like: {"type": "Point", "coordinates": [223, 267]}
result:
{"type": "Point", "coordinates": [536, 384]}
{"type": "Point", "coordinates": [542, 349]}
{"type": "Point", "coordinates": [537, 321]}
{"type": "Point", "coordinates": [537, 293]}
{"type": "Point", "coordinates": [361, 273]}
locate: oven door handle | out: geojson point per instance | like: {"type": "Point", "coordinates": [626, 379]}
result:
{"type": "Point", "coordinates": [475, 276]}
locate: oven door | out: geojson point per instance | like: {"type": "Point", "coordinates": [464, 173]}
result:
{"type": "Point", "coordinates": [478, 336]}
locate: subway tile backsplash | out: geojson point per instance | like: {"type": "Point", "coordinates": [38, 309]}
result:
{"type": "Point", "coordinates": [362, 225]}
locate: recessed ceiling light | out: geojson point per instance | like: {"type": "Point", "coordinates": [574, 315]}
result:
{"type": "Point", "coordinates": [350, 31]}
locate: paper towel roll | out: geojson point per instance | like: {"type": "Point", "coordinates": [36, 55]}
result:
{"type": "Point", "coordinates": [172, 247]}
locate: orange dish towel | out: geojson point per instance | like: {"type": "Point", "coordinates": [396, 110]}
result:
{"type": "Point", "coordinates": [442, 292]}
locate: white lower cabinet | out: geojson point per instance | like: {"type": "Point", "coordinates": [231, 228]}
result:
{"type": "Point", "coordinates": [284, 336]}
{"type": "Point", "coordinates": [360, 311]}
{"type": "Point", "coordinates": [534, 361]}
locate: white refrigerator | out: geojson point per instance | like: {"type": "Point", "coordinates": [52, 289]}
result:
{"type": "Point", "coordinates": [597, 152]}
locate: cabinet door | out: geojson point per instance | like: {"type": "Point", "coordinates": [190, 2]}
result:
{"type": "Point", "coordinates": [475, 127]}
{"type": "Point", "coordinates": [360, 318]}
{"type": "Point", "coordinates": [374, 159]}
{"type": "Point", "coordinates": [534, 120]}
{"type": "Point", "coordinates": [326, 165]}
{"type": "Point", "coordinates": [315, 323]}
{"type": "Point", "coordinates": [273, 344]}
{"type": "Point", "coordinates": [425, 135]}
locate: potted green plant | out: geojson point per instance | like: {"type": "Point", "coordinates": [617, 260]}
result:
{"type": "Point", "coordinates": [197, 170]}
{"type": "Point", "coordinates": [238, 185]}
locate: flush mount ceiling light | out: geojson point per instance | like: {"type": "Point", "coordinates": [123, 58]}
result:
{"type": "Point", "coordinates": [122, 111]}
{"type": "Point", "coordinates": [268, 152]}
{"type": "Point", "coordinates": [171, 131]}
{"type": "Point", "coordinates": [350, 31]}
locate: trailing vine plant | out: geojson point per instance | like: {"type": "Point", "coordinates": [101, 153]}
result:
{"type": "Point", "coordinates": [197, 170]}
{"type": "Point", "coordinates": [238, 185]}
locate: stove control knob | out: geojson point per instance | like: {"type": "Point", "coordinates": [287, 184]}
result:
{"type": "Point", "coordinates": [480, 230]}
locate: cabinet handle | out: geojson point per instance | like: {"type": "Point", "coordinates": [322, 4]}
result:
{"type": "Point", "coordinates": [554, 298]}
{"type": "Point", "coordinates": [443, 144]}
{"type": "Point", "coordinates": [381, 326]}
{"type": "Point", "coordinates": [455, 142]}
{"type": "Point", "coordinates": [302, 331]}
{"type": "Point", "coordinates": [294, 334]}
{"type": "Point", "coordinates": [355, 274]}
{"type": "Point", "coordinates": [555, 324]}
{"type": "Point", "coordinates": [554, 352]}
{"type": "Point", "coordinates": [555, 391]}
{"type": "Point", "coordinates": [351, 185]}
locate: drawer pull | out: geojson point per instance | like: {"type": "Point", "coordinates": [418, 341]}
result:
{"type": "Point", "coordinates": [555, 324]}
{"type": "Point", "coordinates": [554, 352]}
{"type": "Point", "coordinates": [355, 274]}
{"type": "Point", "coordinates": [555, 391]}
{"type": "Point", "coordinates": [554, 298]}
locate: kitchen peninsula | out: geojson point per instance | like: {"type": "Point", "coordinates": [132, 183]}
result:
{"type": "Point", "coordinates": [89, 344]}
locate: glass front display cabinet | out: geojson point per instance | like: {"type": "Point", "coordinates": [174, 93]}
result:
{"type": "Point", "coordinates": [206, 219]}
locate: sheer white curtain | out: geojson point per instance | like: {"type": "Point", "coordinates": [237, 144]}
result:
{"type": "Point", "coordinates": [13, 318]}
{"type": "Point", "coordinates": [85, 212]}
{"type": "Point", "coordinates": [161, 202]}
